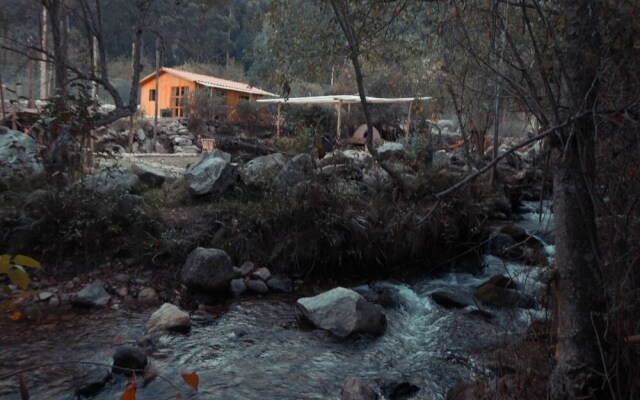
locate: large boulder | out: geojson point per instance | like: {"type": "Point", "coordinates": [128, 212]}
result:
{"type": "Point", "coordinates": [112, 180]}
{"type": "Point", "coordinates": [18, 158]}
{"type": "Point", "coordinates": [260, 171]}
{"type": "Point", "coordinates": [343, 312]}
{"type": "Point", "coordinates": [295, 171]}
{"type": "Point", "coordinates": [151, 176]}
{"type": "Point", "coordinates": [208, 270]}
{"type": "Point", "coordinates": [213, 173]}
{"type": "Point", "coordinates": [168, 318]}
{"type": "Point", "coordinates": [391, 150]}
{"type": "Point", "coordinates": [92, 296]}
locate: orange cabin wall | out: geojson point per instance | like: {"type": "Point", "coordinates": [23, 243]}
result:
{"type": "Point", "coordinates": [166, 82]}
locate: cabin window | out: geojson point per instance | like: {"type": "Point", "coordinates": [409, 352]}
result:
{"type": "Point", "coordinates": [244, 97]}
{"type": "Point", "coordinates": [152, 95]}
{"type": "Point", "coordinates": [179, 97]}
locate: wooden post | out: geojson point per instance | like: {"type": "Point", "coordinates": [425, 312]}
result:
{"type": "Point", "coordinates": [278, 119]}
{"type": "Point", "coordinates": [339, 120]}
{"type": "Point", "coordinates": [406, 134]}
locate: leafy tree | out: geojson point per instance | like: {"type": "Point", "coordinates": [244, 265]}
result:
{"type": "Point", "coordinates": [357, 31]}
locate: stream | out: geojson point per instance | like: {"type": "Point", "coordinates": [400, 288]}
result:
{"type": "Point", "coordinates": [257, 349]}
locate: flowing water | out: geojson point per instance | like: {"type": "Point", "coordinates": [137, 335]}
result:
{"type": "Point", "coordinates": [257, 349]}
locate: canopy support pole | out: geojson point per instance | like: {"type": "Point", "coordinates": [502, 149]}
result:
{"type": "Point", "coordinates": [406, 134]}
{"type": "Point", "coordinates": [339, 106]}
{"type": "Point", "coordinates": [278, 119]}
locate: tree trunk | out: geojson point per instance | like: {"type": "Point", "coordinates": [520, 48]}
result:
{"type": "Point", "coordinates": [58, 24]}
{"type": "Point", "coordinates": [580, 291]}
{"type": "Point", "coordinates": [43, 62]}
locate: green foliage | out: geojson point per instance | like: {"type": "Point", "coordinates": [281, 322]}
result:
{"type": "Point", "coordinates": [303, 141]}
{"type": "Point", "coordinates": [14, 269]}
{"type": "Point", "coordinates": [206, 104]}
{"type": "Point", "coordinates": [254, 116]}
{"type": "Point", "coordinates": [331, 227]}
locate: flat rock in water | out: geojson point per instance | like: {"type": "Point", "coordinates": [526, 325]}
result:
{"type": "Point", "coordinates": [448, 300]}
{"type": "Point", "coordinates": [343, 312]}
{"type": "Point", "coordinates": [92, 296]}
{"type": "Point", "coordinates": [168, 318]}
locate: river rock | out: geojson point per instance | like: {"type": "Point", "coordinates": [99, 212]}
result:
{"type": "Point", "coordinates": [18, 158]}
{"type": "Point", "coordinates": [207, 270]}
{"type": "Point", "coordinates": [152, 177]}
{"type": "Point", "coordinates": [518, 234]}
{"type": "Point", "coordinates": [355, 388]}
{"type": "Point", "coordinates": [343, 312]}
{"type": "Point", "coordinates": [504, 245]}
{"type": "Point", "coordinates": [45, 296]}
{"type": "Point", "coordinates": [92, 382]}
{"type": "Point", "coordinates": [246, 268]}
{"type": "Point", "coordinates": [366, 292]}
{"type": "Point", "coordinates": [262, 273]}
{"type": "Point", "coordinates": [260, 171]}
{"type": "Point", "coordinates": [148, 295]}
{"type": "Point", "coordinates": [92, 296]}
{"type": "Point", "coordinates": [238, 287]}
{"type": "Point", "coordinates": [448, 300]}
{"type": "Point", "coordinates": [501, 281]}
{"type": "Point", "coordinates": [494, 295]}
{"type": "Point", "coordinates": [128, 358]}
{"type": "Point", "coordinates": [396, 390]}
{"type": "Point", "coordinates": [212, 174]}
{"type": "Point", "coordinates": [257, 286]}
{"type": "Point", "coordinates": [280, 284]}
{"type": "Point", "coordinates": [168, 318]}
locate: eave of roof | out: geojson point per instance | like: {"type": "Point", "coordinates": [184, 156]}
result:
{"type": "Point", "coordinates": [210, 81]}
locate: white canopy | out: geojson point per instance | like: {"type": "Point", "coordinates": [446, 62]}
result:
{"type": "Point", "coordinates": [338, 101]}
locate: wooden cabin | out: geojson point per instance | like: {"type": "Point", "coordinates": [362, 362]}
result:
{"type": "Point", "coordinates": [174, 86]}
